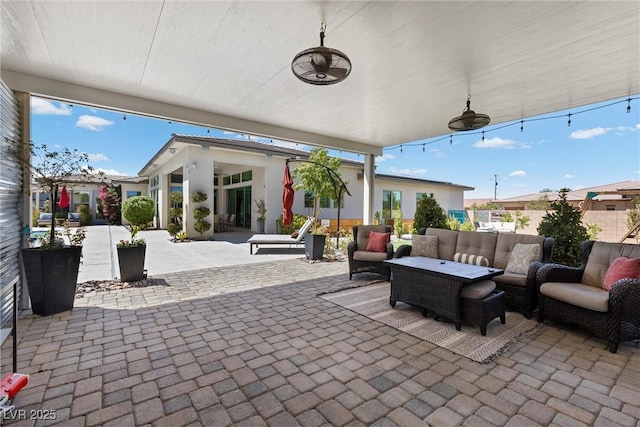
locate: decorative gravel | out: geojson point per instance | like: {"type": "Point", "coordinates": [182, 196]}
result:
{"type": "Point", "coordinates": [112, 285]}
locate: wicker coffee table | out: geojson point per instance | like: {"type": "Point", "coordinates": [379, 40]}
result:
{"type": "Point", "coordinates": [434, 285]}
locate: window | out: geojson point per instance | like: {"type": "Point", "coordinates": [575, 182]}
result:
{"type": "Point", "coordinates": [391, 203]}
{"type": "Point", "coordinates": [226, 180]}
{"type": "Point", "coordinates": [324, 202]}
{"type": "Point", "coordinates": [420, 196]}
{"type": "Point", "coordinates": [247, 176]}
{"type": "Point", "coordinates": [610, 207]}
{"type": "Point", "coordinates": [308, 199]}
{"type": "Point", "coordinates": [176, 179]}
{"type": "Point", "coordinates": [335, 203]}
{"type": "Point", "coordinates": [215, 180]}
{"type": "Point", "coordinates": [131, 193]}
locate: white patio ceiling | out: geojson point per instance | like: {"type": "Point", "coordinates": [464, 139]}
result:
{"type": "Point", "coordinates": [227, 64]}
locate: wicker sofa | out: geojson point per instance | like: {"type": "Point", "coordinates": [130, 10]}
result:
{"type": "Point", "coordinates": [577, 295]}
{"type": "Point", "coordinates": [520, 289]}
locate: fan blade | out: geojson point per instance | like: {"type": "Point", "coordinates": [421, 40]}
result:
{"type": "Point", "coordinates": [338, 73]}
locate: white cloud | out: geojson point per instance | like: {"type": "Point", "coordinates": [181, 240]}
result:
{"type": "Point", "coordinates": [588, 133]}
{"type": "Point", "coordinates": [408, 171]}
{"type": "Point", "coordinates": [386, 156]}
{"type": "Point", "coordinates": [110, 172]}
{"type": "Point", "coordinates": [439, 154]}
{"type": "Point", "coordinates": [568, 176]}
{"type": "Point", "coordinates": [638, 126]}
{"type": "Point", "coordinates": [518, 173]}
{"type": "Point", "coordinates": [45, 107]}
{"type": "Point", "coordinates": [496, 142]}
{"type": "Point", "coordinates": [98, 157]}
{"type": "Point", "coordinates": [93, 123]}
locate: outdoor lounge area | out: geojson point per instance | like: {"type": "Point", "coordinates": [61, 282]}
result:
{"type": "Point", "coordinates": [234, 345]}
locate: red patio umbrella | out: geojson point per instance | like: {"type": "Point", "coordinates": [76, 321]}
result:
{"type": "Point", "coordinates": [287, 197]}
{"type": "Point", "coordinates": [64, 198]}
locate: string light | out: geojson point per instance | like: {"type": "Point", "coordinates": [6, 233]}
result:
{"type": "Point", "coordinates": [423, 147]}
{"type": "Point", "coordinates": [482, 136]}
{"type": "Point", "coordinates": [521, 122]}
{"type": "Point", "coordinates": [124, 118]}
{"type": "Point", "coordinates": [401, 148]}
{"type": "Point", "coordinates": [207, 130]}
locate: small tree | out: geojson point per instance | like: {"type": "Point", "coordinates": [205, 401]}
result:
{"type": "Point", "coordinates": [314, 176]}
{"type": "Point", "coordinates": [398, 224]}
{"type": "Point", "coordinates": [139, 210]}
{"type": "Point", "coordinates": [542, 204]}
{"type": "Point", "coordinates": [201, 213]}
{"type": "Point", "coordinates": [565, 225]}
{"type": "Point", "coordinates": [111, 203]}
{"type": "Point", "coordinates": [51, 170]}
{"type": "Point", "coordinates": [429, 214]}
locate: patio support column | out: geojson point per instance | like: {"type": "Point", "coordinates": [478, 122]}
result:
{"type": "Point", "coordinates": [24, 206]}
{"type": "Point", "coordinates": [197, 176]}
{"type": "Point", "coordinates": [369, 188]}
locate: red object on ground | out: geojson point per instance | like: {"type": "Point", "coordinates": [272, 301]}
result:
{"type": "Point", "coordinates": [287, 198]}
{"type": "Point", "coordinates": [11, 384]}
{"type": "Point", "coordinates": [64, 198]}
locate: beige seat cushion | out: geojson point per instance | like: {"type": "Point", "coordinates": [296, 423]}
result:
{"type": "Point", "coordinates": [474, 243]}
{"type": "Point", "coordinates": [585, 296]}
{"type": "Point", "coordinates": [446, 242]}
{"type": "Point", "coordinates": [369, 256]}
{"type": "Point", "coordinates": [512, 279]}
{"type": "Point", "coordinates": [478, 290]}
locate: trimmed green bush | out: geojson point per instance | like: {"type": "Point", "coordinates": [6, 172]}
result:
{"type": "Point", "coordinates": [139, 210]}
{"type": "Point", "coordinates": [565, 225]}
{"type": "Point", "coordinates": [429, 214]}
{"type": "Point", "coordinates": [201, 212]}
{"type": "Point", "coordinates": [298, 221]}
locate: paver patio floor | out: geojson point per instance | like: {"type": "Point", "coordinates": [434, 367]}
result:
{"type": "Point", "coordinates": [252, 345]}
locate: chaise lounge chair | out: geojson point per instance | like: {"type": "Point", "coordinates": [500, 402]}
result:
{"type": "Point", "coordinates": [280, 239]}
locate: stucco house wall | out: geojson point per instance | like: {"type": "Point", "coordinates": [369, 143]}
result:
{"type": "Point", "coordinates": [199, 159]}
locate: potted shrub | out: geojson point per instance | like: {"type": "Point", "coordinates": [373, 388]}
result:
{"type": "Point", "coordinates": [51, 269]}
{"type": "Point", "coordinates": [261, 210]}
{"type": "Point", "coordinates": [131, 255]}
{"type": "Point", "coordinates": [139, 211]}
{"type": "Point", "coordinates": [314, 242]}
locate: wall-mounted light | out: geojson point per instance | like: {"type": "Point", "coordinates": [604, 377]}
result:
{"type": "Point", "coordinates": [193, 166]}
{"type": "Point", "coordinates": [155, 166]}
{"type": "Point", "coordinates": [172, 150]}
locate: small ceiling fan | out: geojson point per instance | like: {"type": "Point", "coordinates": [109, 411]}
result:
{"type": "Point", "coordinates": [321, 65]}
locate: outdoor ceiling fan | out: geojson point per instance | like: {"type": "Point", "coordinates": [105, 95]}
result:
{"type": "Point", "coordinates": [321, 65]}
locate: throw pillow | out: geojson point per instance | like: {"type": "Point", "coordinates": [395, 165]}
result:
{"type": "Point", "coordinates": [426, 246]}
{"type": "Point", "coordinates": [377, 242]}
{"type": "Point", "coordinates": [621, 268]}
{"type": "Point", "coordinates": [295, 234]}
{"type": "Point", "coordinates": [522, 255]}
{"type": "Point", "coordinates": [471, 259]}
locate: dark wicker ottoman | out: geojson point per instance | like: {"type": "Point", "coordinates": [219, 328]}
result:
{"type": "Point", "coordinates": [483, 311]}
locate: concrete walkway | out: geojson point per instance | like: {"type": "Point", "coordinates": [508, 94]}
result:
{"type": "Point", "coordinates": [100, 258]}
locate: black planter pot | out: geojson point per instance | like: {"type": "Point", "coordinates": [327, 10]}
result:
{"type": "Point", "coordinates": [51, 277]}
{"type": "Point", "coordinates": [131, 262]}
{"type": "Point", "coordinates": [314, 245]}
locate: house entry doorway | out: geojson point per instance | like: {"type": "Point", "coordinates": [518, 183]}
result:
{"type": "Point", "coordinates": [239, 203]}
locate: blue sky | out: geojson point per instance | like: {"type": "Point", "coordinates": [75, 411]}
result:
{"type": "Point", "coordinates": [601, 146]}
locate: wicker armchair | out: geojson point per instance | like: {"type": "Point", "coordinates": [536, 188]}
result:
{"type": "Point", "coordinates": [361, 260]}
{"type": "Point", "coordinates": [621, 319]}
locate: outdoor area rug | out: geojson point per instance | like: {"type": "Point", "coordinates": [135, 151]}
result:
{"type": "Point", "coordinates": [372, 301]}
